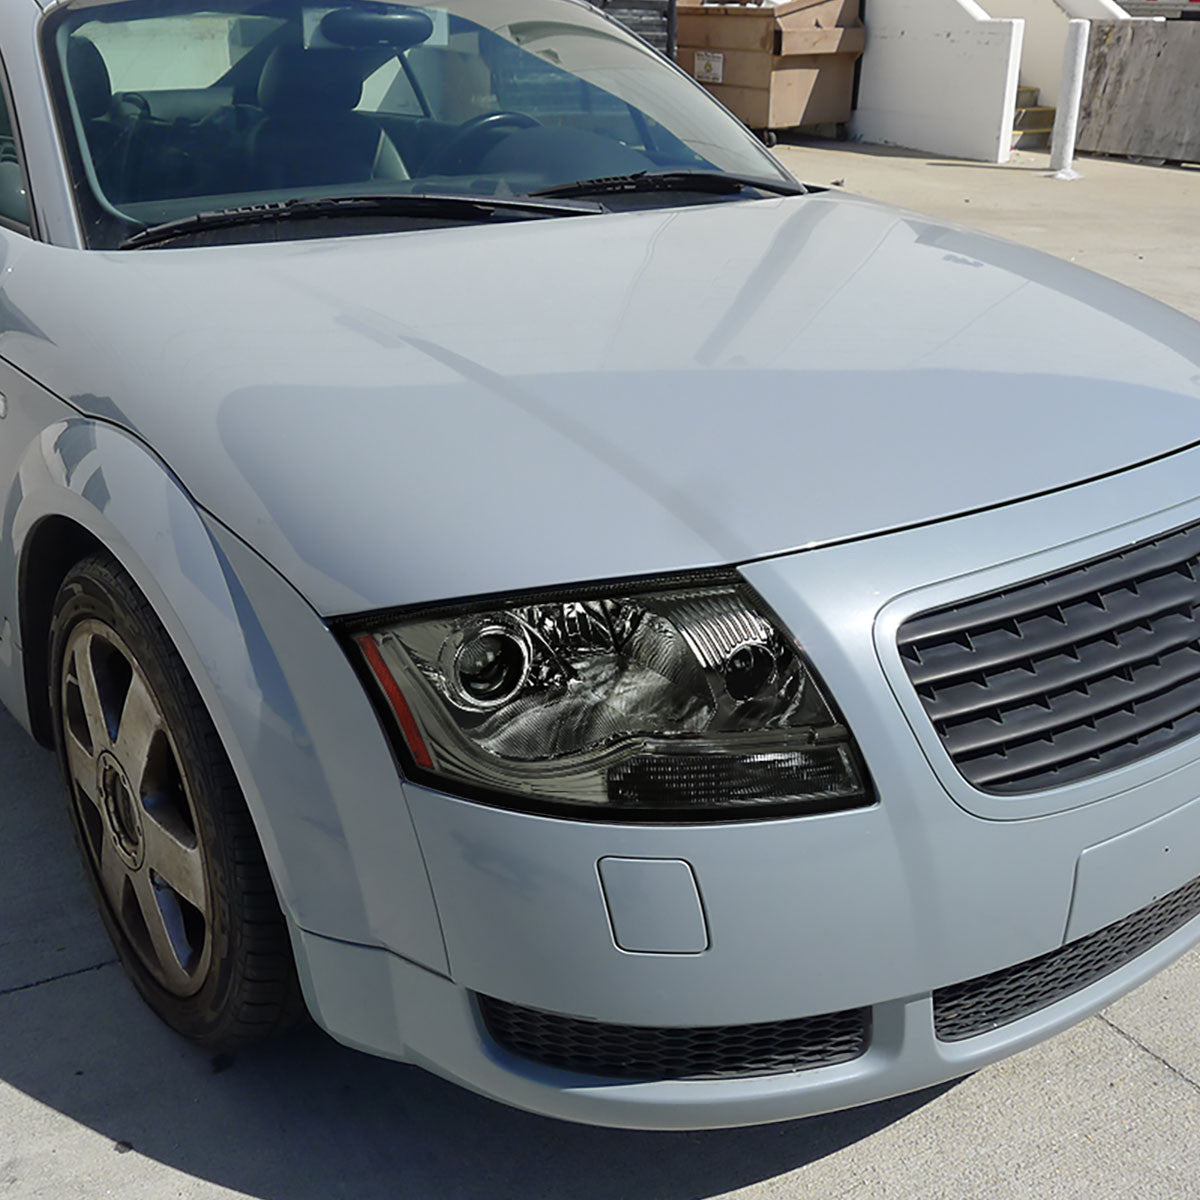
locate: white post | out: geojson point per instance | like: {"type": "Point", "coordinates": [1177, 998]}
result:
{"type": "Point", "coordinates": [1066, 120]}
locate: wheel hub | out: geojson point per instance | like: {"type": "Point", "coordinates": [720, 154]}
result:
{"type": "Point", "coordinates": [121, 810]}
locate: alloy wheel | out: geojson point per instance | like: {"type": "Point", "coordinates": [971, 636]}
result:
{"type": "Point", "coordinates": [135, 812]}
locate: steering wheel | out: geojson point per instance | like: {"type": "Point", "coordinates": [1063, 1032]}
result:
{"type": "Point", "coordinates": [470, 140]}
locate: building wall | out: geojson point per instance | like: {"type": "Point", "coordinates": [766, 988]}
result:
{"type": "Point", "coordinates": [939, 76]}
{"type": "Point", "coordinates": [1046, 35]}
{"type": "Point", "coordinates": [147, 55]}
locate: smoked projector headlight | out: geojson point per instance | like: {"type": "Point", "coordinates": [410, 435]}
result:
{"type": "Point", "coordinates": [677, 700]}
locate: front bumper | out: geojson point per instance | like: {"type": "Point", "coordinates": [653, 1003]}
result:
{"type": "Point", "coordinates": [877, 908]}
{"type": "Point", "coordinates": [375, 1001]}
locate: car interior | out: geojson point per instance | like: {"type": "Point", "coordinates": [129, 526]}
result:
{"type": "Point", "coordinates": [476, 114]}
{"type": "Point", "coordinates": [14, 204]}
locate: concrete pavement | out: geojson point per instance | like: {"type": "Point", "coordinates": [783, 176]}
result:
{"type": "Point", "coordinates": [1136, 224]}
{"type": "Point", "coordinates": [98, 1099]}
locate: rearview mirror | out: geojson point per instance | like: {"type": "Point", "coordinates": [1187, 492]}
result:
{"type": "Point", "coordinates": [399, 29]}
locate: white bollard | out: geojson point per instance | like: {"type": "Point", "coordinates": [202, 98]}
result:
{"type": "Point", "coordinates": [1066, 120]}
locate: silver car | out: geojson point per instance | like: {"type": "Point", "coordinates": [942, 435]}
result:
{"type": "Point", "coordinates": [508, 569]}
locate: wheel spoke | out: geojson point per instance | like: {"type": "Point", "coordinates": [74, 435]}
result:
{"type": "Point", "coordinates": [178, 865]}
{"type": "Point", "coordinates": [89, 695]}
{"type": "Point", "coordinates": [140, 721]}
{"type": "Point", "coordinates": [82, 766]}
{"type": "Point", "coordinates": [164, 925]}
{"type": "Point", "coordinates": [113, 874]}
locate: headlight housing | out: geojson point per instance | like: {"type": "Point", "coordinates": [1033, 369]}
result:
{"type": "Point", "coordinates": [675, 699]}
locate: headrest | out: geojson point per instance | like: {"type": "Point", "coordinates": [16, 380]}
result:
{"type": "Point", "coordinates": [89, 78]}
{"type": "Point", "coordinates": [298, 82]}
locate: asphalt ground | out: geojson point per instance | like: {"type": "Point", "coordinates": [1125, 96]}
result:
{"type": "Point", "coordinates": [98, 1099]}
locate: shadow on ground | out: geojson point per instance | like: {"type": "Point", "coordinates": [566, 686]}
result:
{"type": "Point", "coordinates": [304, 1118]}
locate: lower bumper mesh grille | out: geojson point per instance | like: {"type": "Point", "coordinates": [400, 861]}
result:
{"type": "Point", "coordinates": [647, 1053]}
{"type": "Point", "coordinates": [965, 1010]}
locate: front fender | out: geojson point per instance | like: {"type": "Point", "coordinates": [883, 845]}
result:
{"type": "Point", "coordinates": [300, 732]}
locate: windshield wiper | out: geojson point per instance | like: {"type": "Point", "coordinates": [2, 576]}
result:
{"type": "Point", "coordinates": [418, 204]}
{"type": "Point", "coordinates": [716, 182]}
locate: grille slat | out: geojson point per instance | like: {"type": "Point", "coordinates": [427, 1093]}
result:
{"type": "Point", "coordinates": [654, 1053]}
{"type": "Point", "coordinates": [990, 1001]}
{"type": "Point", "coordinates": [1059, 679]}
{"type": "Point", "coordinates": [1080, 622]}
{"type": "Point", "coordinates": [1072, 756]}
{"type": "Point", "coordinates": [1089, 662]}
{"type": "Point", "coordinates": [1105, 697]}
{"type": "Point", "coordinates": [1160, 555]}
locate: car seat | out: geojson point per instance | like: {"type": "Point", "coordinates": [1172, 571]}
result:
{"type": "Point", "coordinates": [310, 135]}
{"type": "Point", "coordinates": [107, 135]}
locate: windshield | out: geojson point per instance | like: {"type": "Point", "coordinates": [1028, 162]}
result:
{"type": "Point", "coordinates": [173, 108]}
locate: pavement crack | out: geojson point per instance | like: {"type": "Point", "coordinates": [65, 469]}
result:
{"type": "Point", "coordinates": [1146, 1050]}
{"type": "Point", "coordinates": [25, 987]}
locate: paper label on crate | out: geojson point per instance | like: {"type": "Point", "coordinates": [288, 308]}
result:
{"type": "Point", "coordinates": [710, 66]}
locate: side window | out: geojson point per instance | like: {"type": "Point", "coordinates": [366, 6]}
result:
{"type": "Point", "coordinates": [150, 56]}
{"type": "Point", "coordinates": [479, 72]}
{"type": "Point", "coordinates": [453, 76]}
{"type": "Point", "coordinates": [14, 204]}
{"type": "Point", "coordinates": [388, 91]}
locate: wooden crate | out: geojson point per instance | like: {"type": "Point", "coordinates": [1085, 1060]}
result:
{"type": "Point", "coordinates": [778, 66]}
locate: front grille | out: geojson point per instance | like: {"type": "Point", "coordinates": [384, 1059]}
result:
{"type": "Point", "coordinates": [648, 1053]}
{"type": "Point", "coordinates": [967, 1009]}
{"type": "Point", "coordinates": [1065, 677]}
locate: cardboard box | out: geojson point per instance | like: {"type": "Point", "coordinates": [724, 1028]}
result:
{"type": "Point", "coordinates": [775, 66]}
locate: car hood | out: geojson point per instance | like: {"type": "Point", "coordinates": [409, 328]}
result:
{"type": "Point", "coordinates": [404, 418]}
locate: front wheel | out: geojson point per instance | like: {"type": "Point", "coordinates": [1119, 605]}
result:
{"type": "Point", "coordinates": [166, 840]}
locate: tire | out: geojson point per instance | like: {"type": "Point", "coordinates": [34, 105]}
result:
{"type": "Point", "coordinates": [166, 840]}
